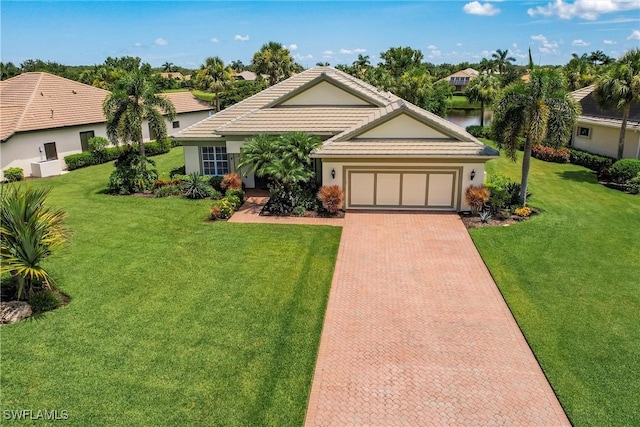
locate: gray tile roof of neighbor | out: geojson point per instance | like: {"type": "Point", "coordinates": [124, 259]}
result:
{"type": "Point", "coordinates": [593, 113]}
{"type": "Point", "coordinates": [270, 112]}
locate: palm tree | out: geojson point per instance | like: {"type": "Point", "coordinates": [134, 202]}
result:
{"type": "Point", "coordinates": [237, 66]}
{"type": "Point", "coordinates": [361, 65]}
{"type": "Point", "coordinates": [484, 89]}
{"type": "Point", "coordinates": [502, 60]}
{"type": "Point", "coordinates": [298, 146]}
{"type": "Point", "coordinates": [29, 232]}
{"type": "Point", "coordinates": [214, 76]}
{"type": "Point", "coordinates": [134, 100]}
{"type": "Point", "coordinates": [601, 57]}
{"type": "Point", "coordinates": [486, 65]}
{"type": "Point", "coordinates": [168, 67]}
{"type": "Point", "coordinates": [257, 153]}
{"type": "Point", "coordinates": [274, 60]}
{"type": "Point", "coordinates": [542, 110]}
{"type": "Point", "coordinates": [619, 88]}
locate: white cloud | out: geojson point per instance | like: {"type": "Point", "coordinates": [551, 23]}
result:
{"type": "Point", "coordinates": [584, 9]}
{"type": "Point", "coordinates": [292, 47]}
{"type": "Point", "coordinates": [635, 35]}
{"type": "Point", "coordinates": [303, 57]}
{"type": "Point", "coordinates": [546, 45]}
{"type": "Point", "coordinates": [160, 41]}
{"type": "Point", "coordinates": [359, 50]}
{"type": "Point", "coordinates": [137, 44]}
{"type": "Point", "coordinates": [434, 53]}
{"type": "Point", "coordinates": [514, 45]}
{"type": "Point", "coordinates": [240, 38]}
{"type": "Point", "coordinates": [458, 44]}
{"type": "Point", "coordinates": [608, 42]}
{"type": "Point", "coordinates": [432, 47]}
{"type": "Point", "coordinates": [327, 52]}
{"type": "Point", "coordinates": [580, 42]}
{"type": "Point", "coordinates": [346, 51]}
{"type": "Point", "coordinates": [214, 40]}
{"type": "Point", "coordinates": [477, 8]}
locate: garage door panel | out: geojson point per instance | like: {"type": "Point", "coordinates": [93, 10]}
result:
{"type": "Point", "coordinates": [361, 188]}
{"type": "Point", "coordinates": [440, 190]}
{"type": "Point", "coordinates": [414, 189]}
{"type": "Point", "coordinates": [388, 189]}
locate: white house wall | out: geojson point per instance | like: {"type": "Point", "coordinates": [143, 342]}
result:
{"type": "Point", "coordinates": [24, 148]}
{"type": "Point", "coordinates": [400, 127]}
{"type": "Point", "coordinates": [604, 141]}
{"type": "Point", "coordinates": [185, 119]}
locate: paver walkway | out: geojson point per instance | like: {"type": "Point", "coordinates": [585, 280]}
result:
{"type": "Point", "coordinates": [417, 334]}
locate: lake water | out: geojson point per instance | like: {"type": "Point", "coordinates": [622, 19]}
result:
{"type": "Point", "coordinates": [464, 118]}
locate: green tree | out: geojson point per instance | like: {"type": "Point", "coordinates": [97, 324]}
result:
{"type": "Point", "coordinates": [619, 88]}
{"type": "Point", "coordinates": [8, 70]}
{"type": "Point", "coordinates": [237, 66]}
{"type": "Point", "coordinates": [502, 60]}
{"type": "Point", "coordinates": [579, 71]}
{"type": "Point", "coordinates": [257, 153]}
{"type": "Point", "coordinates": [168, 67]}
{"type": "Point", "coordinates": [484, 89]}
{"type": "Point", "coordinates": [134, 100]}
{"type": "Point", "coordinates": [541, 110]}
{"type": "Point", "coordinates": [274, 60]}
{"type": "Point", "coordinates": [486, 66]}
{"type": "Point", "coordinates": [361, 65]}
{"type": "Point", "coordinates": [214, 76]}
{"type": "Point", "coordinates": [398, 60]}
{"type": "Point", "coordinates": [30, 231]}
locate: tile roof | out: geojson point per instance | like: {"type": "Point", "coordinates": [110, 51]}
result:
{"type": "Point", "coordinates": [593, 113]}
{"type": "Point", "coordinates": [263, 113]}
{"type": "Point", "coordinates": [35, 101]}
{"type": "Point", "coordinates": [38, 101]}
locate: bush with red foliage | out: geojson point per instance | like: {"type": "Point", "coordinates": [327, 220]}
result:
{"type": "Point", "coordinates": [332, 198]}
{"type": "Point", "coordinates": [550, 154]}
{"type": "Point", "coordinates": [231, 181]}
{"type": "Point", "coordinates": [476, 197]}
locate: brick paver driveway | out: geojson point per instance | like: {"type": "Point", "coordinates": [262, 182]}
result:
{"type": "Point", "coordinates": [417, 333]}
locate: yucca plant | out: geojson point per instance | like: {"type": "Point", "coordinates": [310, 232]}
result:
{"type": "Point", "coordinates": [196, 186]}
{"type": "Point", "coordinates": [29, 232]}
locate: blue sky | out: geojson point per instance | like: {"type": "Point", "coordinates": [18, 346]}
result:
{"type": "Point", "coordinates": [186, 32]}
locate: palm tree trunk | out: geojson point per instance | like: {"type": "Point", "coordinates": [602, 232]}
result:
{"type": "Point", "coordinates": [482, 113]}
{"type": "Point", "coordinates": [217, 101]}
{"type": "Point", "coordinates": [143, 164]}
{"type": "Point", "coordinates": [526, 165]}
{"type": "Point", "coordinates": [623, 129]}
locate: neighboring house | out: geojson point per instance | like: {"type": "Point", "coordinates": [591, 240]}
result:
{"type": "Point", "coordinates": [246, 75]}
{"type": "Point", "coordinates": [173, 75]}
{"type": "Point", "coordinates": [460, 80]}
{"type": "Point", "coordinates": [598, 131]}
{"type": "Point", "coordinates": [384, 152]}
{"type": "Point", "coordinates": [44, 118]}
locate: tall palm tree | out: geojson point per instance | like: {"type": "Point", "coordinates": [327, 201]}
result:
{"type": "Point", "coordinates": [542, 110]}
{"type": "Point", "coordinates": [486, 65]}
{"type": "Point", "coordinates": [29, 232]}
{"type": "Point", "coordinates": [502, 59]}
{"type": "Point", "coordinates": [484, 89]}
{"type": "Point", "coordinates": [134, 100]}
{"type": "Point", "coordinates": [619, 88]}
{"type": "Point", "coordinates": [361, 65]}
{"type": "Point", "coordinates": [168, 67]}
{"type": "Point", "coordinates": [214, 76]}
{"type": "Point", "coordinates": [274, 60]}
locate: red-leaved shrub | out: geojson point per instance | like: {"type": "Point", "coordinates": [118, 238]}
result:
{"type": "Point", "coordinates": [331, 197]}
{"type": "Point", "coordinates": [231, 181]}
{"type": "Point", "coordinates": [550, 154]}
{"type": "Point", "coordinates": [476, 197]}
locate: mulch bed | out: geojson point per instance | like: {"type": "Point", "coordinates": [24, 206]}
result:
{"type": "Point", "coordinates": [475, 222]}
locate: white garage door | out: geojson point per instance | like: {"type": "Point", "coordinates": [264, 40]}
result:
{"type": "Point", "coordinates": [402, 188]}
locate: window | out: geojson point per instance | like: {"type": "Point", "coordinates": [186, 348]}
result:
{"type": "Point", "coordinates": [176, 124]}
{"type": "Point", "coordinates": [84, 139]}
{"type": "Point", "coordinates": [214, 161]}
{"type": "Point", "coordinates": [584, 132]}
{"type": "Point", "coordinates": [50, 151]}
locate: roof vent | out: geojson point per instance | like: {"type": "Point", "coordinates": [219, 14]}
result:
{"type": "Point", "coordinates": [74, 91]}
{"type": "Point", "coordinates": [52, 113]}
{"type": "Point", "coordinates": [41, 94]}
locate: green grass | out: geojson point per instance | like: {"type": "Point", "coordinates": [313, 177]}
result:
{"type": "Point", "coordinates": [460, 102]}
{"type": "Point", "coordinates": [204, 96]}
{"type": "Point", "coordinates": [174, 320]}
{"type": "Point", "coordinates": [571, 277]}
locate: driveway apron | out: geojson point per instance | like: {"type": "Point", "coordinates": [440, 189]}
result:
{"type": "Point", "coordinates": [417, 334]}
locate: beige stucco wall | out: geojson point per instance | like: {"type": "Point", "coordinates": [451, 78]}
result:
{"type": "Point", "coordinates": [325, 94]}
{"type": "Point", "coordinates": [23, 148]}
{"type": "Point", "coordinates": [402, 126]}
{"type": "Point", "coordinates": [339, 166]}
{"type": "Point", "coordinates": [604, 141]}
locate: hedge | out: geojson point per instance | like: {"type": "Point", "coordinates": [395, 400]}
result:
{"type": "Point", "coordinates": [90, 158]}
{"type": "Point", "coordinates": [592, 161]}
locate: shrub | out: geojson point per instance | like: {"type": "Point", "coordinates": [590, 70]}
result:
{"type": "Point", "coordinates": [299, 211]}
{"type": "Point", "coordinates": [624, 170]}
{"type": "Point", "coordinates": [97, 143]}
{"type": "Point", "coordinates": [281, 201]}
{"type": "Point", "coordinates": [13, 174]}
{"type": "Point", "coordinates": [154, 148]}
{"type": "Point", "coordinates": [332, 198]}
{"type": "Point", "coordinates": [523, 212]}
{"type": "Point", "coordinates": [195, 186]}
{"type": "Point", "coordinates": [594, 162]}
{"type": "Point", "coordinates": [634, 185]}
{"type": "Point", "coordinates": [180, 170]}
{"type": "Point", "coordinates": [130, 176]}
{"type": "Point", "coordinates": [79, 160]}
{"type": "Point", "coordinates": [504, 192]}
{"type": "Point", "coordinates": [231, 181]}
{"type": "Point", "coordinates": [215, 194]}
{"type": "Point", "coordinates": [478, 131]}
{"type": "Point", "coordinates": [221, 209]}
{"type": "Point", "coordinates": [476, 197]}
{"type": "Point", "coordinates": [167, 190]}
{"type": "Point", "coordinates": [550, 154]}
{"type": "Point", "coordinates": [45, 300]}
{"type": "Point", "coordinates": [485, 216]}
{"type": "Point", "coordinates": [237, 193]}
{"type": "Point", "coordinates": [215, 182]}
{"type": "Point", "coordinates": [234, 201]}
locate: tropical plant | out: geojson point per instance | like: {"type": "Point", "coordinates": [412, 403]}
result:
{"type": "Point", "coordinates": [274, 60]}
{"type": "Point", "coordinates": [332, 198]}
{"type": "Point", "coordinates": [485, 216]}
{"type": "Point", "coordinates": [619, 88]}
{"type": "Point", "coordinates": [13, 174]}
{"type": "Point", "coordinates": [196, 186]}
{"type": "Point", "coordinates": [30, 231]}
{"type": "Point", "coordinates": [476, 197]}
{"type": "Point", "coordinates": [484, 89]}
{"type": "Point", "coordinates": [258, 152]}
{"type": "Point", "coordinates": [502, 60]}
{"type": "Point", "coordinates": [287, 172]}
{"type": "Point", "coordinates": [213, 76]}
{"type": "Point", "coordinates": [168, 67]}
{"type": "Point", "coordinates": [298, 146]}
{"type": "Point", "coordinates": [231, 181]}
{"type": "Point", "coordinates": [541, 109]}
{"type": "Point", "coordinates": [134, 100]}
{"type": "Point", "coordinates": [134, 173]}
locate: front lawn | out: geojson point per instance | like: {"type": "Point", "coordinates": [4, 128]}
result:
{"type": "Point", "coordinates": [174, 320]}
{"type": "Point", "coordinates": [571, 277]}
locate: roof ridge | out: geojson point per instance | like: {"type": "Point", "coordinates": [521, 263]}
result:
{"type": "Point", "coordinates": [28, 103]}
